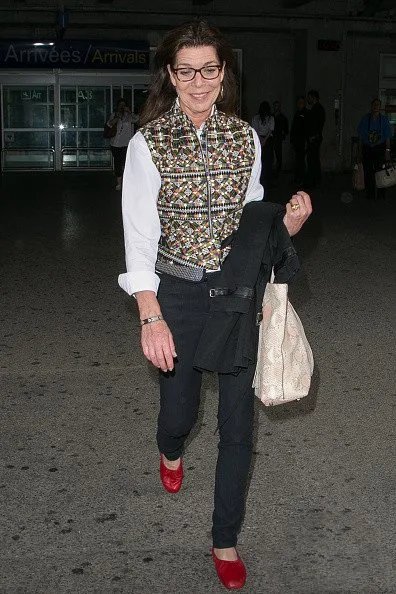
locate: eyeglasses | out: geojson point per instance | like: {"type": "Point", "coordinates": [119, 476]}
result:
{"type": "Point", "coordinates": [207, 72]}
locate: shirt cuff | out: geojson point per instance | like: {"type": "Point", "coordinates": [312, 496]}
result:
{"type": "Point", "coordinates": [139, 281]}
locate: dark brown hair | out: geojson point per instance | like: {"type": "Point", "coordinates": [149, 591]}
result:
{"type": "Point", "coordinates": [195, 34]}
{"type": "Point", "coordinates": [314, 94]}
{"type": "Point", "coordinates": [264, 110]}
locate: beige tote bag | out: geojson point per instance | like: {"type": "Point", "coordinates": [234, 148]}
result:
{"type": "Point", "coordinates": [284, 360]}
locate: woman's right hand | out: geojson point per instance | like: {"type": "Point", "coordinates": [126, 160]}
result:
{"type": "Point", "coordinates": [158, 346]}
{"type": "Point", "coordinates": [156, 339]}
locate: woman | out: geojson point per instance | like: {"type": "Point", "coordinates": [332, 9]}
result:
{"type": "Point", "coordinates": [375, 134]}
{"type": "Point", "coordinates": [264, 124]}
{"type": "Point", "coordinates": [189, 170]}
{"type": "Point", "coordinates": [124, 119]}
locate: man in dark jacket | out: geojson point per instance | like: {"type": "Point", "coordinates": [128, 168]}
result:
{"type": "Point", "coordinates": [298, 138]}
{"type": "Point", "coordinates": [316, 120]}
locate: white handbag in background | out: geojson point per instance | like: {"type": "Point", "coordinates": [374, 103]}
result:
{"type": "Point", "coordinates": [386, 177]}
{"type": "Point", "coordinates": [284, 360]}
{"type": "Point", "coordinates": [358, 177]}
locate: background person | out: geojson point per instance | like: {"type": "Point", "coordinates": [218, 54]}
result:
{"type": "Point", "coordinates": [189, 170]}
{"type": "Point", "coordinates": [375, 135]}
{"type": "Point", "coordinates": [298, 139]}
{"type": "Point", "coordinates": [316, 121]}
{"type": "Point", "coordinates": [264, 124]}
{"type": "Point", "coordinates": [281, 131]}
{"type": "Point", "coordinates": [125, 120]}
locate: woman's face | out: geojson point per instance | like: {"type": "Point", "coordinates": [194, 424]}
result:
{"type": "Point", "coordinates": [300, 103]}
{"type": "Point", "coordinates": [197, 96]}
{"type": "Point", "coordinates": [376, 106]}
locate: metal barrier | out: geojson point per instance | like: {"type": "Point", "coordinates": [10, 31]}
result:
{"type": "Point", "coordinates": [23, 162]}
{"type": "Point", "coordinates": [83, 158]}
{"type": "Point", "coordinates": [36, 159]}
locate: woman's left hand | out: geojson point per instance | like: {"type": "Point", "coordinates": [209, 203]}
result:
{"type": "Point", "coordinates": [298, 210]}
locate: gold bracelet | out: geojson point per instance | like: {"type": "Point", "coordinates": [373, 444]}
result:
{"type": "Point", "coordinates": [150, 320]}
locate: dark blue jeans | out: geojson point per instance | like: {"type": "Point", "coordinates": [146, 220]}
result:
{"type": "Point", "coordinates": [185, 305]}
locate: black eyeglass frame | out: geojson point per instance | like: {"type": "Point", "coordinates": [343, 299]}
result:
{"type": "Point", "coordinates": [175, 70]}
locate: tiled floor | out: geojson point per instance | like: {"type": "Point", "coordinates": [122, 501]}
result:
{"type": "Point", "coordinates": [82, 509]}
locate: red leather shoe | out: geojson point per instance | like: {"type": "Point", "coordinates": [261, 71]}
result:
{"type": "Point", "coordinates": [171, 479]}
{"type": "Point", "coordinates": [232, 574]}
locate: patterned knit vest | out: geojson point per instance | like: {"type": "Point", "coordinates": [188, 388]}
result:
{"type": "Point", "coordinates": [203, 183]}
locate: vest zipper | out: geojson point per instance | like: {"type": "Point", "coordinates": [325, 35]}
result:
{"type": "Point", "coordinates": [208, 190]}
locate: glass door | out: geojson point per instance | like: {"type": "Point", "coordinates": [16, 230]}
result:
{"type": "Point", "coordinates": [83, 113]}
{"type": "Point", "coordinates": [58, 124]}
{"type": "Point", "coordinates": [28, 127]}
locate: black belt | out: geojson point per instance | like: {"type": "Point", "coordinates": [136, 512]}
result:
{"type": "Point", "coordinates": [244, 292]}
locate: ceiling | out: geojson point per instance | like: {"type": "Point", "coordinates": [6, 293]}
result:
{"type": "Point", "coordinates": [368, 8]}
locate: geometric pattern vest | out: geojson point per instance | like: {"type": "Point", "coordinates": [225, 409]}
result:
{"type": "Point", "coordinates": [203, 183]}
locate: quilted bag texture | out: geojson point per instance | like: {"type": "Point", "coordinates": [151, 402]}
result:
{"type": "Point", "coordinates": [284, 360]}
{"type": "Point", "coordinates": [386, 177]}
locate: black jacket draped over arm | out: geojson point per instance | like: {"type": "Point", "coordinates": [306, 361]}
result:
{"type": "Point", "coordinates": [229, 340]}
